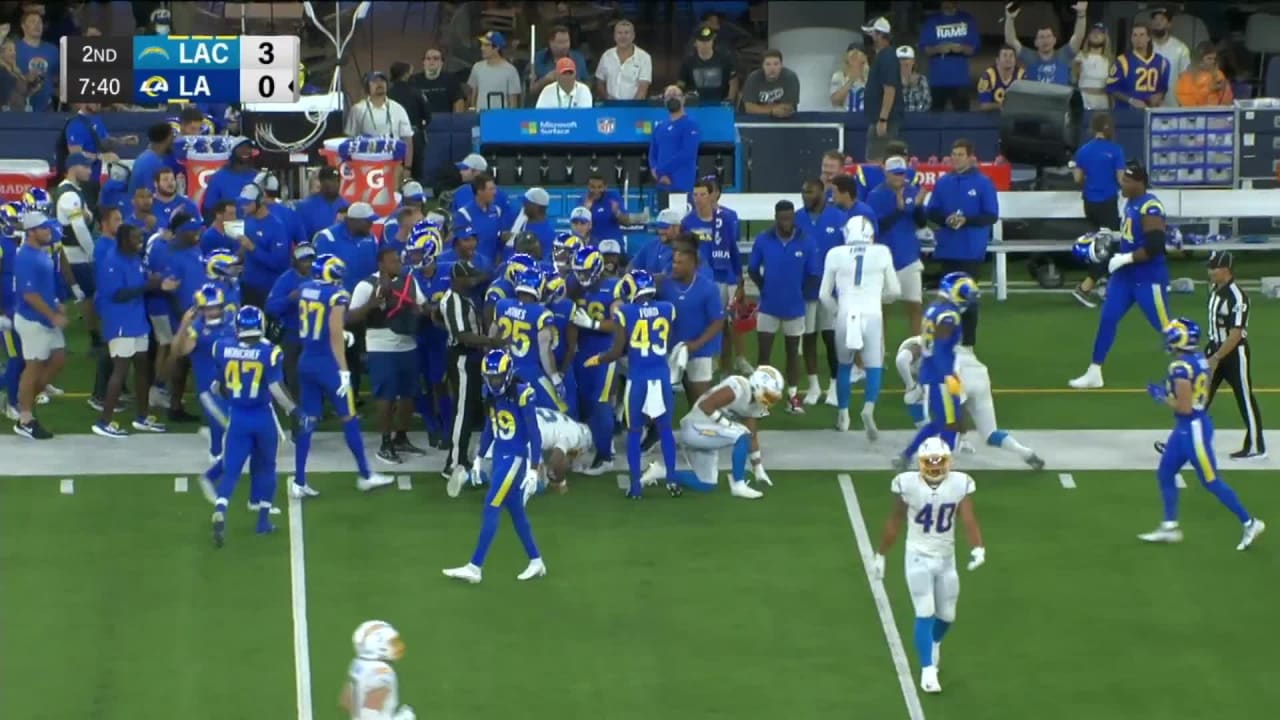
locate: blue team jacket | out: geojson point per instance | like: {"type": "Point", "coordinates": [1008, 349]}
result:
{"type": "Point", "coordinates": [673, 152]}
{"type": "Point", "coordinates": [284, 309]}
{"type": "Point", "coordinates": [359, 253]}
{"type": "Point", "coordinates": [974, 194]}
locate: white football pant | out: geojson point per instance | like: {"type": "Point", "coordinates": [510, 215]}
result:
{"type": "Point", "coordinates": [702, 440]}
{"type": "Point", "coordinates": [860, 331]}
{"type": "Point", "coordinates": [934, 585]}
{"type": "Point", "coordinates": [976, 381]}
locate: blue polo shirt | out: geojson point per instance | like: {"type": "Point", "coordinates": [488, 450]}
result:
{"type": "Point", "coordinates": [1099, 160]}
{"type": "Point", "coordinates": [316, 213]}
{"type": "Point", "coordinates": [143, 172]}
{"type": "Point", "coordinates": [164, 209]}
{"type": "Point", "coordinates": [717, 243]}
{"type": "Point", "coordinates": [897, 228]}
{"type": "Point", "coordinates": [826, 229]}
{"type": "Point", "coordinates": [83, 130]}
{"type": "Point", "coordinates": [783, 265]}
{"type": "Point", "coordinates": [604, 225]}
{"type": "Point", "coordinates": [673, 153]}
{"type": "Point", "coordinates": [33, 272]}
{"type": "Point", "coordinates": [283, 308]}
{"type": "Point", "coordinates": [187, 265]}
{"type": "Point", "coordinates": [697, 306]}
{"type": "Point", "coordinates": [270, 255]}
{"type": "Point", "coordinates": [121, 319]}
{"type": "Point", "coordinates": [213, 239]}
{"type": "Point", "coordinates": [464, 196]}
{"type": "Point", "coordinates": [288, 217]}
{"type": "Point", "coordinates": [226, 184]}
{"type": "Point", "coordinates": [488, 223]}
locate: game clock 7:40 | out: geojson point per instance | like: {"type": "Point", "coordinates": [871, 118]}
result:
{"type": "Point", "coordinates": [103, 89]}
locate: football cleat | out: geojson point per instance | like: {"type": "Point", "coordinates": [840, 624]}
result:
{"type": "Point", "coordinates": [599, 467]}
{"type": "Point", "coordinates": [302, 491]}
{"type": "Point", "coordinates": [652, 474]}
{"type": "Point", "coordinates": [813, 395]}
{"type": "Point", "coordinates": [467, 573]}
{"type": "Point", "coordinates": [1035, 461]}
{"type": "Point", "coordinates": [219, 528]}
{"type": "Point", "coordinates": [929, 680]}
{"type": "Point", "coordinates": [674, 489]}
{"type": "Point", "coordinates": [1092, 378]}
{"type": "Point", "coordinates": [536, 569]}
{"type": "Point", "coordinates": [1252, 530]}
{"type": "Point", "coordinates": [830, 398]}
{"type": "Point", "coordinates": [869, 423]}
{"type": "Point", "coordinates": [375, 480]}
{"type": "Point", "coordinates": [740, 489]}
{"type": "Point", "coordinates": [1168, 532]}
{"type": "Point", "coordinates": [842, 420]}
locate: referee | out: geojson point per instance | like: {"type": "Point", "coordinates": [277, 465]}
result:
{"type": "Point", "coordinates": [1228, 350]}
{"type": "Point", "coordinates": [467, 343]}
{"type": "Point", "coordinates": [1097, 168]}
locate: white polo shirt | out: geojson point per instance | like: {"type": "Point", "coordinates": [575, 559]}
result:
{"type": "Point", "coordinates": [390, 120]}
{"type": "Point", "coordinates": [554, 96]}
{"type": "Point", "coordinates": [622, 79]}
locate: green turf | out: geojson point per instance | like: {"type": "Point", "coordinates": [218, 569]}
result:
{"type": "Point", "coordinates": [699, 607]}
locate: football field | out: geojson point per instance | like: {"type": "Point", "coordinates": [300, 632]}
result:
{"type": "Point", "coordinates": [115, 604]}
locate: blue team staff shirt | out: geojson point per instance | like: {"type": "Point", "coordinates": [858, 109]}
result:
{"type": "Point", "coordinates": [973, 194]}
{"type": "Point", "coordinates": [144, 170]}
{"type": "Point", "coordinates": [1055, 70]}
{"type": "Point", "coordinates": [717, 243]}
{"type": "Point", "coordinates": [359, 253]}
{"type": "Point", "coordinates": [488, 224]}
{"type": "Point", "coordinates": [270, 255]}
{"type": "Point", "coordinates": [604, 221]}
{"type": "Point", "coordinates": [8, 255]}
{"type": "Point", "coordinates": [33, 272]}
{"type": "Point", "coordinates": [697, 306]}
{"type": "Point", "coordinates": [187, 265]}
{"type": "Point", "coordinates": [282, 307]}
{"type": "Point", "coordinates": [213, 239]}
{"type": "Point", "coordinates": [121, 319]}
{"type": "Point", "coordinates": [868, 176]}
{"type": "Point", "coordinates": [288, 218]}
{"type": "Point", "coordinates": [226, 184]}
{"type": "Point", "coordinates": [315, 213]}
{"type": "Point", "coordinates": [1099, 160]}
{"type": "Point", "coordinates": [951, 69]}
{"type": "Point", "coordinates": [464, 196]}
{"type": "Point", "coordinates": [673, 153]}
{"type": "Point", "coordinates": [784, 265]}
{"type": "Point", "coordinates": [164, 209]}
{"type": "Point", "coordinates": [826, 229]}
{"type": "Point", "coordinates": [897, 228]}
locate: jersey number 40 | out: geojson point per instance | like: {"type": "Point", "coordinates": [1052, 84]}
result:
{"type": "Point", "coordinates": [939, 522]}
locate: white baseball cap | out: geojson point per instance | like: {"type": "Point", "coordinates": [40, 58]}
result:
{"type": "Point", "coordinates": [906, 52]}
{"type": "Point", "coordinates": [896, 165]}
{"type": "Point", "coordinates": [609, 246]}
{"type": "Point", "coordinates": [538, 196]}
{"type": "Point", "coordinates": [36, 220]}
{"type": "Point", "coordinates": [580, 214]}
{"type": "Point", "coordinates": [474, 161]}
{"type": "Point", "coordinates": [669, 218]}
{"type": "Point", "coordinates": [879, 25]}
{"type": "Point", "coordinates": [361, 211]}
{"type": "Point", "coordinates": [413, 192]}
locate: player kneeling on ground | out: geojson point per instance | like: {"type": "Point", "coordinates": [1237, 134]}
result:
{"type": "Point", "coordinates": [567, 446]}
{"type": "Point", "coordinates": [931, 496]}
{"type": "Point", "coordinates": [372, 691]}
{"type": "Point", "coordinates": [725, 416]}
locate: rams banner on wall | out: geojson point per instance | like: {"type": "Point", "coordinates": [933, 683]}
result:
{"type": "Point", "coordinates": [597, 126]}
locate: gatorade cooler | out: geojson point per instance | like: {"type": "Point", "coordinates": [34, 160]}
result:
{"type": "Point", "coordinates": [202, 156]}
{"type": "Point", "coordinates": [367, 166]}
{"type": "Point", "coordinates": [18, 176]}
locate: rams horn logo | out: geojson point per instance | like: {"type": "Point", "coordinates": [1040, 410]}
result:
{"type": "Point", "coordinates": [154, 50]}
{"type": "Point", "coordinates": [154, 86]}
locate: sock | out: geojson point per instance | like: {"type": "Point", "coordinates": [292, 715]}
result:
{"type": "Point", "coordinates": [667, 438]}
{"type": "Point", "coordinates": [102, 372]}
{"type": "Point", "coordinates": [524, 531]}
{"type": "Point", "coordinates": [940, 628]}
{"type": "Point", "coordinates": [601, 424]}
{"type": "Point", "coordinates": [689, 480]}
{"type": "Point", "coordinates": [216, 435]}
{"type": "Point", "coordinates": [301, 449]}
{"type": "Point", "coordinates": [1005, 441]}
{"type": "Point", "coordinates": [829, 344]}
{"type": "Point", "coordinates": [12, 374]}
{"type": "Point", "coordinates": [1227, 496]}
{"type": "Point", "coordinates": [874, 378]}
{"type": "Point", "coordinates": [386, 440]}
{"type": "Point", "coordinates": [741, 452]}
{"type": "Point", "coordinates": [355, 443]}
{"type": "Point", "coordinates": [220, 505]}
{"type": "Point", "coordinates": [925, 432]}
{"type": "Point", "coordinates": [791, 391]}
{"type": "Point", "coordinates": [400, 437]}
{"type": "Point", "coordinates": [488, 528]}
{"type": "Point", "coordinates": [1105, 338]}
{"type": "Point", "coordinates": [924, 640]}
{"type": "Point", "coordinates": [813, 384]}
{"type": "Point", "coordinates": [916, 411]}
{"type": "Point", "coordinates": [634, 437]}
{"type": "Point", "coordinates": [1168, 494]}
{"type": "Point", "coordinates": [844, 385]}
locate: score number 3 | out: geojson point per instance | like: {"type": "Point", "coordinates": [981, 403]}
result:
{"type": "Point", "coordinates": [269, 69]}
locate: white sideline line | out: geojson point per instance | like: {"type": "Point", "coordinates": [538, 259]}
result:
{"type": "Point", "coordinates": [180, 484]}
{"type": "Point", "coordinates": [1179, 482]}
{"type": "Point", "coordinates": [404, 483]}
{"type": "Point", "coordinates": [298, 591]}
{"type": "Point", "coordinates": [67, 486]}
{"type": "Point", "coordinates": [896, 650]}
{"type": "Point", "coordinates": [1067, 481]}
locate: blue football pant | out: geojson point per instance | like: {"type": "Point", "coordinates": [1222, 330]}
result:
{"type": "Point", "coordinates": [1151, 299]}
{"type": "Point", "coordinates": [505, 492]}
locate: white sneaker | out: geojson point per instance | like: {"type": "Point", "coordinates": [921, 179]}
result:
{"type": "Point", "coordinates": [830, 398]}
{"type": "Point", "coordinates": [457, 478]}
{"type": "Point", "coordinates": [255, 507]}
{"type": "Point", "coordinates": [812, 396]}
{"type": "Point", "coordinates": [42, 399]}
{"type": "Point", "coordinates": [842, 420]}
{"type": "Point", "coordinates": [652, 474]}
{"type": "Point", "coordinates": [54, 391]}
{"type": "Point", "coordinates": [929, 680]}
{"type": "Point", "coordinates": [937, 655]}
{"type": "Point", "coordinates": [11, 412]}
{"type": "Point", "coordinates": [302, 491]}
{"type": "Point", "coordinates": [1252, 530]}
{"type": "Point", "coordinates": [1168, 532]}
{"type": "Point", "coordinates": [536, 569]}
{"type": "Point", "coordinates": [869, 424]}
{"type": "Point", "coordinates": [1092, 378]}
{"type": "Point", "coordinates": [469, 573]}
{"type": "Point", "coordinates": [744, 491]}
{"type": "Point", "coordinates": [375, 480]}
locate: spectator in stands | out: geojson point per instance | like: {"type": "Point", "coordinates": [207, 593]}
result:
{"type": "Point", "coordinates": [1204, 84]}
{"type": "Point", "coordinates": [1173, 49]}
{"type": "Point", "coordinates": [772, 90]}
{"type": "Point", "coordinates": [1098, 166]}
{"type": "Point", "coordinates": [949, 38]}
{"type": "Point", "coordinates": [227, 181]}
{"type": "Point", "coordinates": [1140, 77]}
{"type": "Point", "coordinates": [416, 109]}
{"type": "Point", "coordinates": [709, 71]}
{"type": "Point", "coordinates": [494, 82]}
{"type": "Point", "coordinates": [1091, 67]}
{"type": "Point", "coordinates": [884, 102]}
{"type": "Point", "coordinates": [848, 84]}
{"type": "Point", "coordinates": [625, 71]}
{"type": "Point", "coordinates": [1047, 63]}
{"type": "Point", "coordinates": [16, 84]}
{"type": "Point", "coordinates": [545, 69]}
{"type": "Point", "coordinates": [964, 205]}
{"type": "Point", "coordinates": [566, 91]}
{"type": "Point", "coordinates": [915, 88]}
{"type": "Point", "coordinates": [673, 148]}
{"type": "Point", "coordinates": [995, 80]}
{"type": "Point", "coordinates": [320, 209]}
{"type": "Point", "coordinates": [378, 115]}
{"type": "Point", "coordinates": [38, 60]}
{"type": "Point", "coordinates": [442, 90]}
{"type": "Point", "coordinates": [145, 167]}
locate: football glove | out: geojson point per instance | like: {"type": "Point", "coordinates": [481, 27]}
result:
{"type": "Point", "coordinates": [529, 484]}
{"type": "Point", "coordinates": [583, 319]}
{"type": "Point", "coordinates": [1119, 261]}
{"type": "Point", "coordinates": [5, 324]}
{"type": "Point", "coordinates": [344, 383]}
{"type": "Point", "coordinates": [1158, 392]}
{"type": "Point", "coordinates": [348, 338]}
{"type": "Point", "coordinates": [913, 395]}
{"type": "Point", "coordinates": [477, 466]}
{"type": "Point", "coordinates": [977, 556]}
{"type": "Point", "coordinates": [877, 567]}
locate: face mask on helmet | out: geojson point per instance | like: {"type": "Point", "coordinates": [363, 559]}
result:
{"type": "Point", "coordinates": [934, 460]}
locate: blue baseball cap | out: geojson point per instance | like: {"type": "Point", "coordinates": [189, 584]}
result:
{"type": "Point", "coordinates": [494, 38]}
{"type": "Point", "coordinates": [463, 231]}
{"type": "Point", "coordinates": [190, 224]}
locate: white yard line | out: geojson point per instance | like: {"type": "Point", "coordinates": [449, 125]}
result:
{"type": "Point", "coordinates": [298, 590]}
{"type": "Point", "coordinates": [896, 650]}
{"type": "Point", "coordinates": [180, 484]}
{"type": "Point", "coordinates": [404, 482]}
{"type": "Point", "coordinates": [1067, 481]}
{"type": "Point", "coordinates": [67, 486]}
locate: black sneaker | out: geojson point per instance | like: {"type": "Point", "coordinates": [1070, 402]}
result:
{"type": "Point", "coordinates": [1083, 298]}
{"type": "Point", "coordinates": [32, 430]}
{"type": "Point", "coordinates": [1247, 454]}
{"type": "Point", "coordinates": [180, 415]}
{"type": "Point", "coordinates": [1159, 446]}
{"type": "Point", "coordinates": [388, 455]}
{"type": "Point", "coordinates": [404, 447]}
{"type": "Point", "coordinates": [95, 403]}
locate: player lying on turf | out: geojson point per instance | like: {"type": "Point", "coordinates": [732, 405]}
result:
{"type": "Point", "coordinates": [1186, 390]}
{"type": "Point", "coordinates": [567, 446]}
{"type": "Point", "coordinates": [977, 406]}
{"type": "Point", "coordinates": [372, 691]}
{"type": "Point", "coordinates": [725, 416]}
{"type": "Point", "coordinates": [931, 497]}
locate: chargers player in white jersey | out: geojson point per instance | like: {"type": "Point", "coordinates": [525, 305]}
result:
{"type": "Point", "coordinates": [567, 446]}
{"type": "Point", "coordinates": [372, 691]}
{"type": "Point", "coordinates": [725, 417]}
{"type": "Point", "coordinates": [931, 498]}
{"type": "Point", "coordinates": [977, 404]}
{"type": "Point", "coordinates": [857, 278]}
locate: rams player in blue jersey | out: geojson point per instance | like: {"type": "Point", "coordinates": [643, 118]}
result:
{"type": "Point", "coordinates": [525, 325]}
{"type": "Point", "coordinates": [1139, 273]}
{"type": "Point", "coordinates": [1186, 390]}
{"type": "Point", "coordinates": [563, 250]}
{"type": "Point", "coordinates": [434, 403]}
{"type": "Point", "coordinates": [251, 374]}
{"type": "Point", "coordinates": [642, 333]}
{"type": "Point", "coordinates": [511, 433]}
{"type": "Point", "coordinates": [565, 338]}
{"type": "Point", "coordinates": [201, 328]}
{"type": "Point", "coordinates": [504, 283]}
{"type": "Point", "coordinates": [593, 315]}
{"type": "Point", "coordinates": [939, 337]}
{"type": "Point", "coordinates": [323, 374]}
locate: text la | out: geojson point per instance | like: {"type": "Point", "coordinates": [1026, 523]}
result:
{"type": "Point", "coordinates": [200, 89]}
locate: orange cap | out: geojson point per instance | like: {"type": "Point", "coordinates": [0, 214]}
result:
{"type": "Point", "coordinates": [566, 65]}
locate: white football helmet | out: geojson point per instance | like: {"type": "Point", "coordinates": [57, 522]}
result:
{"type": "Point", "coordinates": [859, 230]}
{"type": "Point", "coordinates": [377, 640]}
{"type": "Point", "coordinates": [766, 385]}
{"type": "Point", "coordinates": [934, 459]}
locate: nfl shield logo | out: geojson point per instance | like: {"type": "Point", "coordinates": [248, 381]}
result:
{"type": "Point", "coordinates": [606, 125]}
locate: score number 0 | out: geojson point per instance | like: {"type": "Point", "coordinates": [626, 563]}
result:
{"type": "Point", "coordinates": [269, 69]}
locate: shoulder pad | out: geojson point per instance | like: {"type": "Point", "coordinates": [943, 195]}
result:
{"type": "Point", "coordinates": [524, 395]}
{"type": "Point", "coordinates": [1181, 369]}
{"type": "Point", "coordinates": [276, 355]}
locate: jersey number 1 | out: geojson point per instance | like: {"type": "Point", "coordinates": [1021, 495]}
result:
{"type": "Point", "coordinates": [857, 271]}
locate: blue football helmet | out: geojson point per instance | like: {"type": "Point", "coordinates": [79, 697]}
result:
{"type": "Point", "coordinates": [221, 264]}
{"type": "Point", "coordinates": [1091, 248]}
{"type": "Point", "coordinates": [565, 247]}
{"type": "Point", "coordinates": [11, 218]}
{"type": "Point", "coordinates": [329, 269]}
{"type": "Point", "coordinates": [588, 265]}
{"type": "Point", "coordinates": [498, 370]}
{"type": "Point", "coordinates": [250, 323]}
{"type": "Point", "coordinates": [517, 264]}
{"type": "Point", "coordinates": [529, 282]}
{"type": "Point", "coordinates": [37, 200]}
{"type": "Point", "coordinates": [642, 285]}
{"type": "Point", "coordinates": [553, 286]}
{"type": "Point", "coordinates": [1182, 335]}
{"type": "Point", "coordinates": [959, 288]}
{"type": "Point", "coordinates": [211, 301]}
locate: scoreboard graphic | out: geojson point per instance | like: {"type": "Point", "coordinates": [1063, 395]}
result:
{"type": "Point", "coordinates": [155, 70]}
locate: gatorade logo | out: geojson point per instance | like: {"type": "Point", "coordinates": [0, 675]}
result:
{"type": "Point", "coordinates": [203, 177]}
{"type": "Point", "coordinates": [375, 178]}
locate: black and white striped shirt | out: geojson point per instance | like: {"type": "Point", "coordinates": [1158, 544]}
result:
{"type": "Point", "coordinates": [460, 316]}
{"type": "Point", "coordinates": [1228, 310]}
